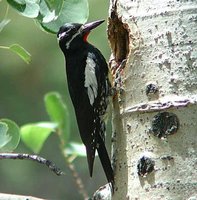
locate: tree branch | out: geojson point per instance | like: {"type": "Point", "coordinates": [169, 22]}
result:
{"type": "Point", "coordinates": [39, 159]}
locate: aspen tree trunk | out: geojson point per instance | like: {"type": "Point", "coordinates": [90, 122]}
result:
{"type": "Point", "coordinates": [155, 114]}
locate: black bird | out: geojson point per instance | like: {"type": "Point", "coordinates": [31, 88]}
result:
{"type": "Point", "coordinates": [88, 84]}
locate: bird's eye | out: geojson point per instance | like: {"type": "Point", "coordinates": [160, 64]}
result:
{"type": "Point", "coordinates": [62, 35]}
{"type": "Point", "coordinates": [66, 33]}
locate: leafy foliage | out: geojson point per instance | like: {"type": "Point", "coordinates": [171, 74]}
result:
{"type": "Point", "coordinates": [9, 135]}
{"type": "Point", "coordinates": [58, 113]}
{"type": "Point", "coordinates": [20, 51]}
{"type": "Point", "coordinates": [4, 137]}
{"type": "Point", "coordinates": [49, 15]}
{"type": "Point", "coordinates": [76, 149]}
{"type": "Point", "coordinates": [34, 135]}
{"type": "Point", "coordinates": [52, 14]}
{"type": "Point", "coordinates": [72, 11]}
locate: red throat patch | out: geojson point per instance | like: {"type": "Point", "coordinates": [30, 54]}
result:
{"type": "Point", "coordinates": [85, 37]}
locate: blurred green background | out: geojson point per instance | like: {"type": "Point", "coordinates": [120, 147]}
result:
{"type": "Point", "coordinates": [22, 88]}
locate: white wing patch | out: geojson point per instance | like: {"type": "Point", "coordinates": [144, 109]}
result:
{"type": "Point", "coordinates": [90, 79]}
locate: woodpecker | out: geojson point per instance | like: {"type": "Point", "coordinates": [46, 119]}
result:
{"type": "Point", "coordinates": [89, 88]}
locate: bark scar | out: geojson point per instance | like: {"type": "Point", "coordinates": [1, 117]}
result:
{"type": "Point", "coordinates": [118, 35]}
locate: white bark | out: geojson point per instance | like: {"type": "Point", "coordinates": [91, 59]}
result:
{"type": "Point", "coordinates": [159, 40]}
{"type": "Point", "coordinates": [17, 197]}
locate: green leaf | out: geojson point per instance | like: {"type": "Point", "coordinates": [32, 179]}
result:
{"type": "Point", "coordinates": [27, 8]}
{"type": "Point", "coordinates": [4, 137]}
{"type": "Point", "coordinates": [72, 11]}
{"type": "Point", "coordinates": [75, 149]}
{"type": "Point", "coordinates": [9, 135]}
{"type": "Point", "coordinates": [58, 113]}
{"type": "Point", "coordinates": [52, 14]}
{"type": "Point", "coordinates": [3, 23]}
{"type": "Point", "coordinates": [50, 10]}
{"type": "Point", "coordinates": [20, 51]}
{"type": "Point", "coordinates": [54, 5]}
{"type": "Point", "coordinates": [19, 5]}
{"type": "Point", "coordinates": [31, 10]}
{"type": "Point", "coordinates": [34, 135]}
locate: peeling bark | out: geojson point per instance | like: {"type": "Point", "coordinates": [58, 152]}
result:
{"type": "Point", "coordinates": [158, 39]}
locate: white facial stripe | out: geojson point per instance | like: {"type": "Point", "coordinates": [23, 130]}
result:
{"type": "Point", "coordinates": [90, 79]}
{"type": "Point", "coordinates": [72, 38]}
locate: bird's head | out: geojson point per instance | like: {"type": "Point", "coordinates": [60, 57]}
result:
{"type": "Point", "coordinates": [72, 35]}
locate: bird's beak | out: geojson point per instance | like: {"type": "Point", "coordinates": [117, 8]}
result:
{"type": "Point", "coordinates": [88, 27]}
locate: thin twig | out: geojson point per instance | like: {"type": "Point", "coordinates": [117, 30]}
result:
{"type": "Point", "coordinates": [77, 178]}
{"type": "Point", "coordinates": [4, 47]}
{"type": "Point", "coordinates": [39, 159]}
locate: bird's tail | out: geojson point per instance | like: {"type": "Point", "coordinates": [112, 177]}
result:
{"type": "Point", "coordinates": [105, 161]}
{"type": "Point", "coordinates": [90, 157]}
